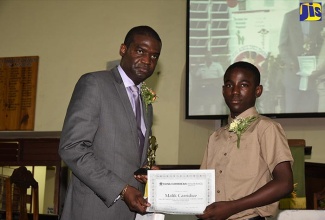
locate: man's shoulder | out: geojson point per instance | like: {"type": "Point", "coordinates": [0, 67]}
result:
{"type": "Point", "coordinates": [293, 12]}
{"type": "Point", "coordinates": [101, 74]}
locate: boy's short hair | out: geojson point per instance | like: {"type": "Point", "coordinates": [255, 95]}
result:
{"type": "Point", "coordinates": [248, 67]}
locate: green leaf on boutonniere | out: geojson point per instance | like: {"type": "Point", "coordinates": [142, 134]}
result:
{"type": "Point", "coordinates": [148, 95]}
{"type": "Point", "coordinates": [240, 125]}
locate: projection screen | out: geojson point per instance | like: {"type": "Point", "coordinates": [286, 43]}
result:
{"type": "Point", "coordinates": [289, 53]}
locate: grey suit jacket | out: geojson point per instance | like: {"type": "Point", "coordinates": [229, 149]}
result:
{"type": "Point", "coordinates": [291, 45]}
{"type": "Point", "coordinates": [99, 143]}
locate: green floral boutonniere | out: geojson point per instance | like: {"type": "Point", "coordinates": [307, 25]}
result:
{"type": "Point", "coordinates": [148, 95]}
{"type": "Point", "coordinates": [240, 125]}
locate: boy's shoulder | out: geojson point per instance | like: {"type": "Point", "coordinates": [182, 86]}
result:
{"type": "Point", "coordinates": [265, 122]}
{"type": "Point", "coordinates": [268, 120]}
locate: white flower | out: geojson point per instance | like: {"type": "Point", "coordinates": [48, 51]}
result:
{"type": "Point", "coordinates": [234, 125]}
{"type": "Point", "coordinates": [240, 125]}
{"type": "Point", "coordinates": [148, 95]}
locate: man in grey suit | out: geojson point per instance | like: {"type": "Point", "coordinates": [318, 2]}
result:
{"type": "Point", "coordinates": [299, 38]}
{"type": "Point", "coordinates": [100, 142]}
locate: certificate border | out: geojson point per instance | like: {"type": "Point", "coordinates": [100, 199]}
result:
{"type": "Point", "coordinates": [154, 175]}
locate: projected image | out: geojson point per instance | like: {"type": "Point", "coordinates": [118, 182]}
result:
{"type": "Point", "coordinates": [289, 53]}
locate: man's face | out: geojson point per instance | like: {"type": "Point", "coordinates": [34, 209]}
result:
{"type": "Point", "coordinates": [139, 60]}
{"type": "Point", "coordinates": [240, 91]}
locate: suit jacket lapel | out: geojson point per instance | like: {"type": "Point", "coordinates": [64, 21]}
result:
{"type": "Point", "coordinates": [120, 87]}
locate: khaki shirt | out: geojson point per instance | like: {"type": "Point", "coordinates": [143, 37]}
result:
{"type": "Point", "coordinates": [241, 171]}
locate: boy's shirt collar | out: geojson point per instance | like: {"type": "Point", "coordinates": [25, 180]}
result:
{"type": "Point", "coordinates": [249, 112]}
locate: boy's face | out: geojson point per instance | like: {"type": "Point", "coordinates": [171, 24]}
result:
{"type": "Point", "coordinates": [240, 90]}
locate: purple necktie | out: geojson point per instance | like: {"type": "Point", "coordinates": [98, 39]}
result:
{"type": "Point", "coordinates": [135, 93]}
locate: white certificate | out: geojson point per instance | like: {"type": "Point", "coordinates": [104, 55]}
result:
{"type": "Point", "coordinates": [180, 191]}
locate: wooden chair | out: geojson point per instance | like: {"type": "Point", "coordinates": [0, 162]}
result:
{"type": "Point", "coordinates": [22, 179]}
{"type": "Point", "coordinates": [318, 197]}
{"type": "Point", "coordinates": [297, 148]}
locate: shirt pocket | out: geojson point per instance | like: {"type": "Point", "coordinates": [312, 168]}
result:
{"type": "Point", "coordinates": [244, 163]}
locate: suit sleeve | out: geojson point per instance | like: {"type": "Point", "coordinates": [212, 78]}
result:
{"type": "Point", "coordinates": [76, 144]}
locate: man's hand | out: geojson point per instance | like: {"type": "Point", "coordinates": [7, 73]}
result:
{"type": "Point", "coordinates": [135, 201]}
{"type": "Point", "coordinates": [143, 178]}
{"type": "Point", "coordinates": [313, 79]}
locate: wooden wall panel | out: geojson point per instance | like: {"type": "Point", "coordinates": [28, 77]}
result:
{"type": "Point", "coordinates": [18, 82]}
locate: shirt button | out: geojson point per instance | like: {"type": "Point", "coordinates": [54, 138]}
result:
{"type": "Point", "coordinates": [218, 191]}
{"type": "Point", "coordinates": [220, 171]}
{"type": "Point", "coordinates": [225, 154]}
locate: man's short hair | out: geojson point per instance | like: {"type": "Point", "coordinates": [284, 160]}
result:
{"type": "Point", "coordinates": [140, 30]}
{"type": "Point", "coordinates": [248, 67]}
